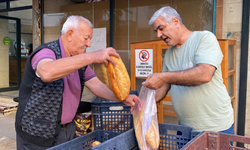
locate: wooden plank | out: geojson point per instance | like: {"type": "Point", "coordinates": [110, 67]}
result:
{"type": "Point", "coordinates": [7, 105]}
{"type": "Point", "coordinates": [132, 66]}
{"type": "Point", "coordinates": [7, 110]}
{"type": "Point", "coordinates": [160, 111]}
{"type": "Point", "coordinates": [224, 63]}
{"type": "Point", "coordinates": [169, 110]}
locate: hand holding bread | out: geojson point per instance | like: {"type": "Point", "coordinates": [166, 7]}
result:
{"type": "Point", "coordinates": [117, 78]}
{"type": "Point", "coordinates": [104, 56]}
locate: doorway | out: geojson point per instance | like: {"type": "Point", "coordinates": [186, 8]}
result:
{"type": "Point", "coordinates": [16, 37]}
{"type": "Point", "coordinates": [10, 53]}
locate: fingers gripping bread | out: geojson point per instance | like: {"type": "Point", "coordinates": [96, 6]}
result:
{"type": "Point", "coordinates": [117, 78]}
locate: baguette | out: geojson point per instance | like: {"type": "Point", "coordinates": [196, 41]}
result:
{"type": "Point", "coordinates": [117, 78]}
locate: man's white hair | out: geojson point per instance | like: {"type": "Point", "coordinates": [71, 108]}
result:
{"type": "Point", "coordinates": [73, 22]}
{"type": "Point", "coordinates": [168, 13]}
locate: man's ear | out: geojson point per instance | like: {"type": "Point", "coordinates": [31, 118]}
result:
{"type": "Point", "coordinates": [69, 35]}
{"type": "Point", "coordinates": [175, 21]}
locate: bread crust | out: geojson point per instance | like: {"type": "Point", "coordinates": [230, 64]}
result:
{"type": "Point", "coordinates": [117, 78]}
{"type": "Point", "coordinates": [95, 143]}
{"type": "Point", "coordinates": [105, 76]}
{"type": "Point", "coordinates": [152, 136]}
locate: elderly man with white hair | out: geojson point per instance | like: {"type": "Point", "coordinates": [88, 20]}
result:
{"type": "Point", "coordinates": [54, 78]}
{"type": "Point", "coordinates": [192, 72]}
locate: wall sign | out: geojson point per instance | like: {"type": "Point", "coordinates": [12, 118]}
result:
{"type": "Point", "coordinates": [143, 62]}
{"type": "Point", "coordinates": [98, 41]}
{"type": "Point", "coordinates": [6, 41]}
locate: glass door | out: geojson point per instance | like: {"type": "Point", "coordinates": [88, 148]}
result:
{"type": "Point", "coordinates": [10, 53]}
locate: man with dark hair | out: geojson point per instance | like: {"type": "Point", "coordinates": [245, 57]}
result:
{"type": "Point", "coordinates": [192, 71]}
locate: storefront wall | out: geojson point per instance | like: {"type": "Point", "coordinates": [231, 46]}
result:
{"type": "Point", "coordinates": [130, 19]}
{"type": "Point", "coordinates": [131, 23]}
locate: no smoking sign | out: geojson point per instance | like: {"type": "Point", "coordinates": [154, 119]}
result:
{"type": "Point", "coordinates": [144, 55]}
{"type": "Point", "coordinates": [144, 62]}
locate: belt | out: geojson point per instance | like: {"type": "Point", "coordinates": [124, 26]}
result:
{"type": "Point", "coordinates": [64, 125]}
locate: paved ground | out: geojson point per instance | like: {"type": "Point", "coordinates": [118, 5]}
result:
{"type": "Point", "coordinates": [7, 132]}
{"type": "Point", "coordinates": [7, 125]}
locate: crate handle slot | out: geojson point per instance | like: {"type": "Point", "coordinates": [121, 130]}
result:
{"type": "Point", "coordinates": [173, 132]}
{"type": "Point", "coordinates": [106, 136]}
{"type": "Point", "coordinates": [116, 108]}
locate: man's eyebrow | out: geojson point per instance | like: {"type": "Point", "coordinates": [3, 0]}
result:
{"type": "Point", "coordinates": [158, 27]}
{"type": "Point", "coordinates": [89, 36]}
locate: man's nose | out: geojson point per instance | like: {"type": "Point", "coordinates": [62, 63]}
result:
{"type": "Point", "coordinates": [159, 34]}
{"type": "Point", "coordinates": [88, 43]}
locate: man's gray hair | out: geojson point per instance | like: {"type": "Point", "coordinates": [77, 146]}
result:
{"type": "Point", "coordinates": [168, 13]}
{"type": "Point", "coordinates": [73, 22]}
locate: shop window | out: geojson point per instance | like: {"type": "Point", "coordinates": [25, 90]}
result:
{"type": "Point", "coordinates": [3, 5]}
{"type": "Point", "coordinates": [130, 19]}
{"type": "Point", "coordinates": [20, 3]}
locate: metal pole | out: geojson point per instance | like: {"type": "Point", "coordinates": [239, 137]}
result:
{"type": "Point", "coordinates": [214, 17]}
{"type": "Point", "coordinates": [111, 23]}
{"type": "Point", "coordinates": [18, 40]}
{"type": "Point", "coordinates": [243, 70]}
{"type": "Point", "coordinates": [42, 25]}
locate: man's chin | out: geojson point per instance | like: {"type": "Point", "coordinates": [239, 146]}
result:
{"type": "Point", "coordinates": [167, 43]}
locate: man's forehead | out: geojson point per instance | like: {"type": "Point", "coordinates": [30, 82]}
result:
{"type": "Point", "coordinates": [158, 22]}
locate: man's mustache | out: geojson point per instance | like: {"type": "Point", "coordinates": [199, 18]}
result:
{"type": "Point", "coordinates": [163, 37]}
{"type": "Point", "coordinates": [84, 47]}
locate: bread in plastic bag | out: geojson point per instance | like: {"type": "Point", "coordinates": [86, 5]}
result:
{"type": "Point", "coordinates": [145, 121]}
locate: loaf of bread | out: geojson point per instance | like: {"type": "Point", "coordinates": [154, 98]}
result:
{"type": "Point", "coordinates": [117, 78]}
{"type": "Point", "coordinates": [152, 136]}
{"type": "Point", "coordinates": [138, 128]}
{"type": "Point", "coordinates": [95, 143]}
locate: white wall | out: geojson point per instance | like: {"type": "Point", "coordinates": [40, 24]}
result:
{"type": "Point", "coordinates": [4, 54]}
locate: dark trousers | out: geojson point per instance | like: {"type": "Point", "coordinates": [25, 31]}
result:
{"type": "Point", "coordinates": [66, 133]}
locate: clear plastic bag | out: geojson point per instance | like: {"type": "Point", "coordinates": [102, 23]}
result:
{"type": "Point", "coordinates": [145, 121]}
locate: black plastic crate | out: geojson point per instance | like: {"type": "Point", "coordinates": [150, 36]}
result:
{"type": "Point", "coordinates": [111, 116]}
{"type": "Point", "coordinates": [169, 138]}
{"type": "Point", "coordinates": [85, 142]}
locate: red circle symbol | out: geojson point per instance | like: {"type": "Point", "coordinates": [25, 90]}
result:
{"type": "Point", "coordinates": [144, 55]}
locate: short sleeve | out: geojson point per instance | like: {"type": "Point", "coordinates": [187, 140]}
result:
{"type": "Point", "coordinates": [164, 67]}
{"type": "Point", "coordinates": [89, 74]}
{"type": "Point", "coordinates": [164, 60]}
{"type": "Point", "coordinates": [208, 50]}
{"type": "Point", "coordinates": [44, 53]}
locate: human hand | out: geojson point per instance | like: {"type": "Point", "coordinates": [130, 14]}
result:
{"type": "Point", "coordinates": [131, 100]}
{"type": "Point", "coordinates": [103, 56]}
{"type": "Point", "coordinates": [154, 81]}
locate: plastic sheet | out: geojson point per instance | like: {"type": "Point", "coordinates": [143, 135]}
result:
{"type": "Point", "coordinates": [146, 122]}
